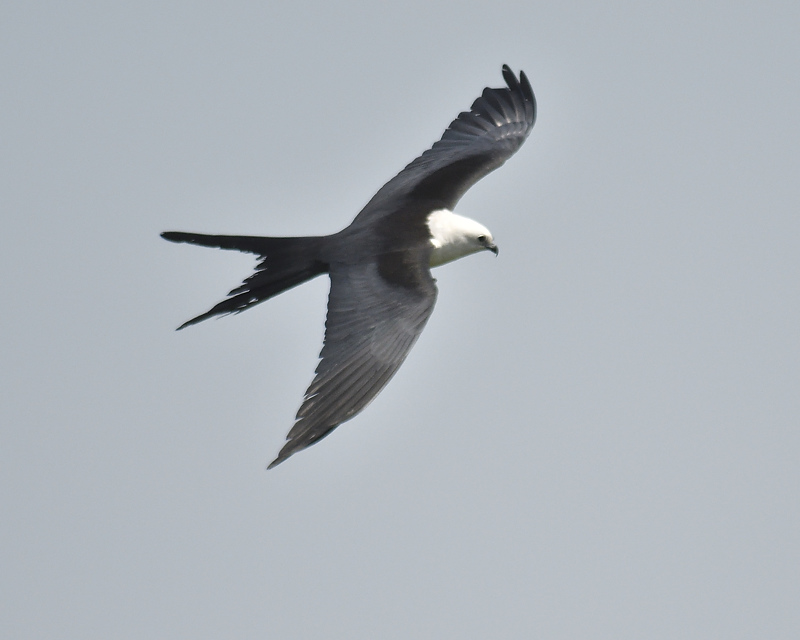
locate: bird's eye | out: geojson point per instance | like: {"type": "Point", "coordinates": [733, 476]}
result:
{"type": "Point", "coordinates": [481, 238]}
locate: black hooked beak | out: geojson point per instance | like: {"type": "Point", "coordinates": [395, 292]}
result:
{"type": "Point", "coordinates": [493, 248]}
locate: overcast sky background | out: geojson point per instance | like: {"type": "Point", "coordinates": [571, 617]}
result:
{"type": "Point", "coordinates": [595, 437]}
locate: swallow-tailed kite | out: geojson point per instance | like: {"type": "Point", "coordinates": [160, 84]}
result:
{"type": "Point", "coordinates": [382, 292]}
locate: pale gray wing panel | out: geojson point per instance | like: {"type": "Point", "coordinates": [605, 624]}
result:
{"type": "Point", "coordinates": [370, 329]}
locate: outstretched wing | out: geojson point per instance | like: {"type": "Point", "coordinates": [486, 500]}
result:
{"type": "Point", "coordinates": [371, 326]}
{"type": "Point", "coordinates": [477, 142]}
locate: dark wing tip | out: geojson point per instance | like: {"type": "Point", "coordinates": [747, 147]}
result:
{"type": "Point", "coordinates": [523, 86]}
{"type": "Point", "coordinates": [509, 77]}
{"type": "Point", "coordinates": [527, 94]}
{"type": "Point", "coordinates": [299, 442]}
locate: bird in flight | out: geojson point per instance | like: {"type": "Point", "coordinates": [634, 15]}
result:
{"type": "Point", "coordinates": [382, 292]}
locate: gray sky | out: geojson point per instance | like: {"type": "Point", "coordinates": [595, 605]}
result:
{"type": "Point", "coordinates": [595, 437]}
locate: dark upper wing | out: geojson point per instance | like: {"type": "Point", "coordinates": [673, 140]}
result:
{"type": "Point", "coordinates": [371, 326]}
{"type": "Point", "coordinates": [476, 142]}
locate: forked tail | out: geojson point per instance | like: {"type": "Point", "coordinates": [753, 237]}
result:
{"type": "Point", "coordinates": [286, 262]}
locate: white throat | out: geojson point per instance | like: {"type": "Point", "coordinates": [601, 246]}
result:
{"type": "Point", "coordinates": [454, 236]}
